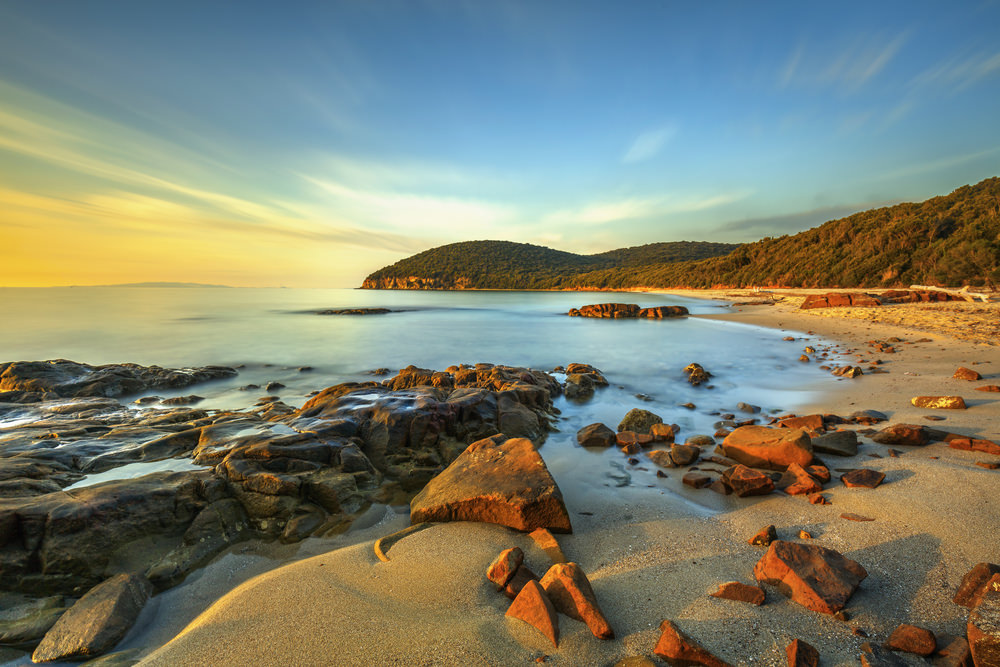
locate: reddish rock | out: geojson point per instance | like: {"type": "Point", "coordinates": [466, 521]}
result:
{"type": "Point", "coordinates": [839, 300]}
{"type": "Point", "coordinates": [820, 473]}
{"type": "Point", "coordinates": [851, 516]}
{"type": "Point", "coordinates": [983, 630]}
{"type": "Point", "coordinates": [939, 402]}
{"type": "Point", "coordinates": [812, 423]}
{"type": "Point", "coordinates": [796, 481]}
{"type": "Point", "coordinates": [818, 499]}
{"type": "Point", "coordinates": [838, 443]}
{"type": "Point", "coordinates": [533, 607]}
{"type": "Point", "coordinates": [632, 439]}
{"type": "Point", "coordinates": [903, 434]}
{"type": "Point", "coordinates": [801, 654]}
{"type": "Point", "coordinates": [679, 651]}
{"type": "Point", "coordinates": [547, 543]}
{"type": "Point", "coordinates": [772, 448]}
{"type": "Point", "coordinates": [495, 480]}
{"type": "Point", "coordinates": [571, 593]}
{"type": "Point", "coordinates": [606, 310]}
{"type": "Point", "coordinates": [764, 537]}
{"type": "Point", "coordinates": [964, 373]}
{"type": "Point", "coordinates": [660, 312]}
{"type": "Point", "coordinates": [522, 576]}
{"type": "Point", "coordinates": [595, 435]}
{"type": "Point", "coordinates": [989, 387]}
{"type": "Point", "coordinates": [662, 432]}
{"type": "Point", "coordinates": [696, 375]}
{"type": "Point", "coordinates": [734, 590]}
{"type": "Point", "coordinates": [504, 566]}
{"type": "Point", "coordinates": [975, 445]}
{"type": "Point", "coordinates": [684, 455]}
{"type": "Point", "coordinates": [848, 371]}
{"type": "Point", "coordinates": [696, 479]}
{"type": "Point", "coordinates": [973, 585]}
{"type": "Point", "coordinates": [955, 654]}
{"type": "Point", "coordinates": [817, 578]}
{"type": "Point", "coordinates": [864, 478]}
{"type": "Point", "coordinates": [911, 639]}
{"type": "Point", "coordinates": [805, 535]}
{"type": "Point", "coordinates": [720, 487]}
{"type": "Point", "coordinates": [746, 481]}
{"type": "Point", "coordinates": [989, 465]}
{"type": "Point", "coordinates": [661, 457]}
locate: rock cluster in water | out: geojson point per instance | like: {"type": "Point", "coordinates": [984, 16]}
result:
{"type": "Point", "coordinates": [627, 311]}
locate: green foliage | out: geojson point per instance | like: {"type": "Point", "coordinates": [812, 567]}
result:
{"type": "Point", "coordinates": [950, 240]}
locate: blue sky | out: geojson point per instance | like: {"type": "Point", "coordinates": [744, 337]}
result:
{"type": "Point", "coordinates": [308, 144]}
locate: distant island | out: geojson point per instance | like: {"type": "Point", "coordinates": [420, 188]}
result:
{"type": "Point", "coordinates": [947, 240]}
{"type": "Point", "coordinates": [154, 284]}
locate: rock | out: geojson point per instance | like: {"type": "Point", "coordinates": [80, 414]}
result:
{"type": "Point", "coordinates": [820, 473]}
{"type": "Point", "coordinates": [764, 536]}
{"type": "Point", "coordinates": [661, 312]}
{"type": "Point", "coordinates": [838, 443]}
{"type": "Point", "coordinates": [354, 311]}
{"type": "Point", "coordinates": [69, 379]}
{"type": "Point", "coordinates": [734, 590]}
{"type": "Point", "coordinates": [975, 445]}
{"type": "Point", "coordinates": [963, 373]}
{"type": "Point", "coordinates": [903, 434]}
{"type": "Point", "coordinates": [696, 375]}
{"type": "Point", "coordinates": [801, 654]}
{"type": "Point", "coordinates": [97, 622]}
{"type": "Point", "coordinates": [983, 630]}
{"type": "Point", "coordinates": [579, 387]}
{"type": "Point", "coordinates": [876, 656]}
{"type": "Point", "coordinates": [817, 578]}
{"type": "Point", "coordinates": [989, 387]}
{"type": "Point", "coordinates": [533, 607]}
{"type": "Point", "coordinates": [495, 480]}
{"type": "Point", "coordinates": [680, 651]}
{"type": "Point", "coordinates": [631, 442]}
{"type": "Point", "coordinates": [939, 402]}
{"type": "Point", "coordinates": [683, 455]}
{"type": "Point", "coordinates": [606, 311]}
{"type": "Point", "coordinates": [746, 407]}
{"type": "Point", "coordinates": [796, 481]}
{"type": "Point", "coordinates": [662, 458]}
{"type": "Point", "coordinates": [864, 478]}
{"type": "Point", "coordinates": [639, 420]}
{"type": "Point", "coordinates": [745, 481]}
{"type": "Point", "coordinates": [696, 480]}
{"type": "Point", "coordinates": [973, 585]}
{"type": "Point", "coordinates": [503, 567]}
{"type": "Point", "coordinates": [839, 300]}
{"type": "Point", "coordinates": [772, 448]}
{"type": "Point", "coordinates": [571, 593]}
{"type": "Point", "coordinates": [700, 440]}
{"type": "Point", "coordinates": [811, 423]}
{"type": "Point", "coordinates": [635, 661]}
{"type": "Point", "coordinates": [848, 371]}
{"type": "Point", "coordinates": [521, 576]}
{"type": "Point", "coordinates": [868, 417]}
{"type": "Point", "coordinates": [595, 435]}
{"type": "Point", "coordinates": [911, 639]}
{"type": "Point", "coordinates": [851, 516]}
{"type": "Point", "coordinates": [662, 432]}
{"type": "Point", "coordinates": [955, 654]}
{"type": "Point", "coordinates": [805, 535]}
{"type": "Point", "coordinates": [547, 543]}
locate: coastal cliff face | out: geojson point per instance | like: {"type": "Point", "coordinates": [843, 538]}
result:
{"type": "Point", "coordinates": [415, 282]}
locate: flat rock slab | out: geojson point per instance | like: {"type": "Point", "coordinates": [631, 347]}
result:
{"type": "Point", "coordinates": [838, 443]}
{"type": "Point", "coordinates": [771, 448]}
{"type": "Point", "coordinates": [817, 578]}
{"type": "Point", "coordinates": [939, 402]}
{"type": "Point", "coordinates": [903, 434]}
{"type": "Point", "coordinates": [98, 620]}
{"type": "Point", "coordinates": [495, 480]}
{"type": "Point", "coordinates": [911, 639]}
{"type": "Point", "coordinates": [863, 478]}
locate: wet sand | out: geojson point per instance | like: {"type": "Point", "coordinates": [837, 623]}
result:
{"type": "Point", "coordinates": [655, 553]}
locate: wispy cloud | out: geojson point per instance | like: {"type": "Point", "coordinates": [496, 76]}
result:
{"type": "Point", "coordinates": [961, 72]}
{"type": "Point", "coordinates": [638, 208]}
{"type": "Point", "coordinates": [849, 66]}
{"type": "Point", "coordinates": [649, 144]}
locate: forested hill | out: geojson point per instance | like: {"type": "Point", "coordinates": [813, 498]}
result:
{"type": "Point", "coordinates": [509, 265]}
{"type": "Point", "coordinates": [949, 240]}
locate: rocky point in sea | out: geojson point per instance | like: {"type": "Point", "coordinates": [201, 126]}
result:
{"type": "Point", "coordinates": [270, 472]}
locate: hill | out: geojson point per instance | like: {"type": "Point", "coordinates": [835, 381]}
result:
{"type": "Point", "coordinates": [948, 240]}
{"type": "Point", "coordinates": [509, 265]}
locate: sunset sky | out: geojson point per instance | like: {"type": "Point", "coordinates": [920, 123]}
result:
{"type": "Point", "coordinates": [308, 144]}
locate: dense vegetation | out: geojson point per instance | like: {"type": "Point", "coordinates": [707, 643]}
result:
{"type": "Point", "coordinates": [508, 265]}
{"type": "Point", "coordinates": [950, 240]}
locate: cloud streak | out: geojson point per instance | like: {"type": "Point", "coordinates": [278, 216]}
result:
{"type": "Point", "coordinates": [649, 144]}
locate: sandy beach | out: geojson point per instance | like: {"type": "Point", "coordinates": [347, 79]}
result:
{"type": "Point", "coordinates": [654, 554]}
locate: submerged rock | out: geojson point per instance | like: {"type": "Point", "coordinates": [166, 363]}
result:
{"type": "Point", "coordinates": [495, 480]}
{"type": "Point", "coordinates": [97, 622]}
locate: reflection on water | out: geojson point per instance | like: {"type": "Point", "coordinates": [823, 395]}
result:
{"type": "Point", "coordinates": [133, 470]}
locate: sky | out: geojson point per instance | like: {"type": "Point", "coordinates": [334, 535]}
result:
{"type": "Point", "coordinates": [308, 144]}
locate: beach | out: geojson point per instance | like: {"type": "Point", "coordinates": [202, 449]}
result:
{"type": "Point", "coordinates": [651, 557]}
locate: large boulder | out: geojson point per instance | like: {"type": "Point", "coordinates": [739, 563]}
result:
{"type": "Point", "coordinates": [606, 310]}
{"type": "Point", "coordinates": [97, 622]}
{"type": "Point", "coordinates": [595, 435]}
{"type": "Point", "coordinates": [639, 421]}
{"type": "Point", "coordinates": [771, 448]}
{"type": "Point", "coordinates": [817, 578]}
{"type": "Point", "coordinates": [495, 480]}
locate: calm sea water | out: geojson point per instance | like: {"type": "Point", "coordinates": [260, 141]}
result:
{"type": "Point", "coordinates": [271, 333]}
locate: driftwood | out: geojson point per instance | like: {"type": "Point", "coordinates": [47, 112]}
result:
{"type": "Point", "coordinates": [964, 292]}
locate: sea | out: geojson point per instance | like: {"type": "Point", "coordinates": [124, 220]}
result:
{"type": "Point", "coordinates": [280, 336]}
